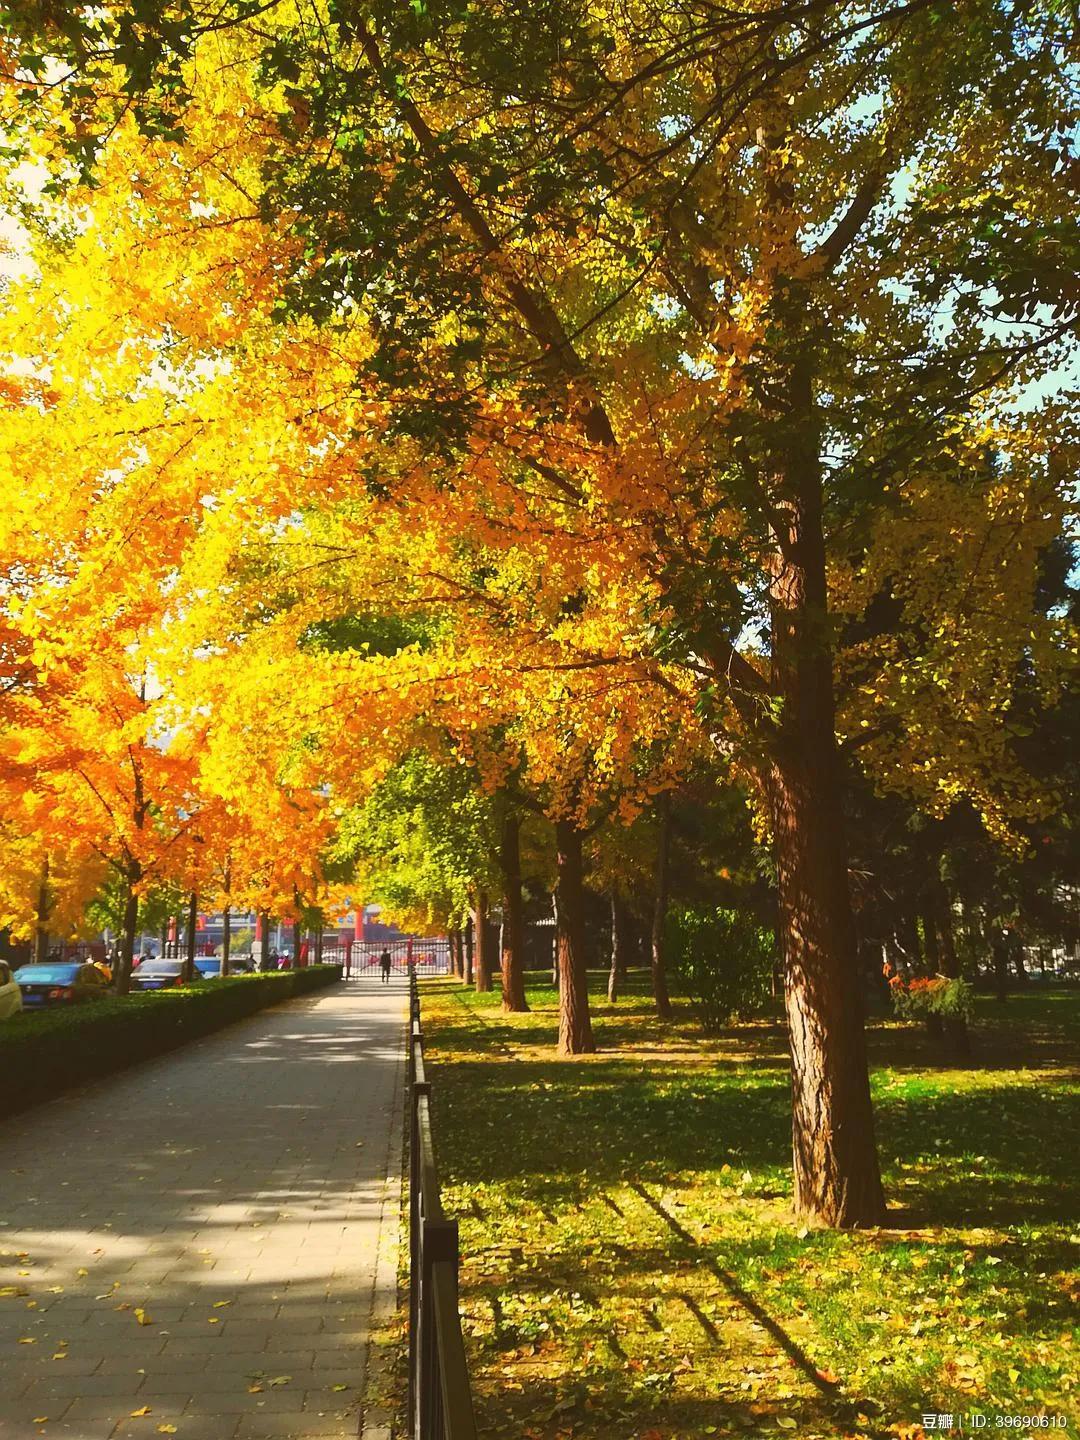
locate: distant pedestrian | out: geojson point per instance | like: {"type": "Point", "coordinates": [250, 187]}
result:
{"type": "Point", "coordinates": [384, 966]}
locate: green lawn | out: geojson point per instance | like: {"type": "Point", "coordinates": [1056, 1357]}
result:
{"type": "Point", "coordinates": [633, 1268]}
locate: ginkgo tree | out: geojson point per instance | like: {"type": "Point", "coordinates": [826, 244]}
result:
{"type": "Point", "coordinates": [694, 298]}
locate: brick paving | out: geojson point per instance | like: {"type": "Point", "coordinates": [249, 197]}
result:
{"type": "Point", "coordinates": [196, 1238]}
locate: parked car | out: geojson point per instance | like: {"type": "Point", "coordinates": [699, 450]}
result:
{"type": "Point", "coordinates": [60, 982]}
{"type": "Point", "coordinates": [160, 974]}
{"type": "Point", "coordinates": [10, 994]}
{"type": "Point", "coordinates": [209, 966]}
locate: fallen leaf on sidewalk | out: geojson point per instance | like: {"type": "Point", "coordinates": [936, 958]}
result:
{"type": "Point", "coordinates": [137, 1414]}
{"type": "Point", "coordinates": [166, 1429]}
{"type": "Point", "coordinates": [281, 1380]}
{"type": "Point", "coordinates": [142, 1317]}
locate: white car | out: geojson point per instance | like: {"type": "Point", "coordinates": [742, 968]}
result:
{"type": "Point", "coordinates": [10, 994]}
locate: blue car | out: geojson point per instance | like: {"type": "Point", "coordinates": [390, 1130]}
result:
{"type": "Point", "coordinates": [60, 982]}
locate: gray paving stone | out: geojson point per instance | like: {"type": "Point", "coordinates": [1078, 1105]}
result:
{"type": "Point", "coordinates": [229, 1170]}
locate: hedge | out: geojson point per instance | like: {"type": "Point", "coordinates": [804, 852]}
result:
{"type": "Point", "coordinates": [45, 1052]}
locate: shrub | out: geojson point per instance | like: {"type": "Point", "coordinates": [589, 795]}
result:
{"type": "Point", "coordinates": [44, 1052]}
{"type": "Point", "coordinates": [934, 995]}
{"type": "Point", "coordinates": [724, 960]}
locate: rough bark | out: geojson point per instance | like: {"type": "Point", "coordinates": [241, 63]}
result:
{"type": "Point", "coordinates": [512, 942]}
{"type": "Point", "coordinates": [122, 973]}
{"type": "Point", "coordinates": [575, 1026]}
{"type": "Point", "coordinates": [621, 937]}
{"type": "Point", "coordinates": [187, 970]}
{"type": "Point", "coordinates": [837, 1180]}
{"type": "Point", "coordinates": [467, 975]}
{"type": "Point", "coordinates": [661, 999]}
{"type": "Point", "coordinates": [298, 940]}
{"type": "Point", "coordinates": [482, 952]}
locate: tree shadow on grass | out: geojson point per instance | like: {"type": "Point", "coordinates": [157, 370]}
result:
{"type": "Point", "coordinates": [994, 1155]}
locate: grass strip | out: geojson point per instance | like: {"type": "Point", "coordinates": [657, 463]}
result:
{"type": "Point", "coordinates": [632, 1266]}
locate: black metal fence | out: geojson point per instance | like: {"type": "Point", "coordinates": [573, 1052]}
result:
{"type": "Point", "coordinates": [440, 1401]}
{"type": "Point", "coordinates": [361, 957]}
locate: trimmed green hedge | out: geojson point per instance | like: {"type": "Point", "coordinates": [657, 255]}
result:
{"type": "Point", "coordinates": [44, 1052]}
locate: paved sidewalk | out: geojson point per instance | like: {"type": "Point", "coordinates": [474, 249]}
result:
{"type": "Point", "coordinates": [192, 1243]}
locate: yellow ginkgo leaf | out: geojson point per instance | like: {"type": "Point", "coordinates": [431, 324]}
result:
{"type": "Point", "coordinates": [142, 1317]}
{"type": "Point", "coordinates": [166, 1429]}
{"type": "Point", "coordinates": [145, 1410]}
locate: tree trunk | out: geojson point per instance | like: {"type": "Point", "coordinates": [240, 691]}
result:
{"type": "Point", "coordinates": [555, 939]}
{"type": "Point", "coordinates": [319, 939]}
{"type": "Point", "coordinates": [262, 927]}
{"type": "Point", "coordinates": [482, 959]}
{"type": "Point", "coordinates": [512, 947]}
{"type": "Point", "coordinates": [935, 1026]}
{"type": "Point", "coordinates": [575, 1026]}
{"type": "Point", "coordinates": [226, 940]}
{"type": "Point", "coordinates": [1018, 960]}
{"type": "Point", "coordinates": [837, 1180]}
{"type": "Point", "coordinates": [620, 943]}
{"type": "Point", "coordinates": [955, 1027]}
{"type": "Point", "coordinates": [661, 999]}
{"type": "Point", "coordinates": [467, 975]}
{"type": "Point", "coordinates": [187, 970]}
{"type": "Point", "coordinates": [40, 951]}
{"type": "Point", "coordinates": [297, 940]}
{"type": "Point", "coordinates": [164, 937]}
{"type": "Point", "coordinates": [122, 974]}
